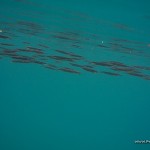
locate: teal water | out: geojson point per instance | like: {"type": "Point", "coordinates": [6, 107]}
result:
{"type": "Point", "coordinates": [74, 75]}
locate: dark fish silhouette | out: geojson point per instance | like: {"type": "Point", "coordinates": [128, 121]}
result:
{"type": "Point", "coordinates": [109, 64]}
{"type": "Point", "coordinates": [142, 67]}
{"type": "Point", "coordinates": [21, 61]}
{"type": "Point", "coordinates": [135, 74]}
{"type": "Point", "coordinates": [102, 46]}
{"type": "Point", "coordinates": [4, 37]}
{"type": "Point", "coordinates": [69, 53]}
{"type": "Point", "coordinates": [36, 50]}
{"type": "Point", "coordinates": [9, 53]}
{"type": "Point", "coordinates": [26, 42]}
{"type": "Point", "coordinates": [76, 65]}
{"type": "Point", "coordinates": [39, 62]}
{"type": "Point", "coordinates": [146, 77]}
{"type": "Point", "coordinates": [26, 58]}
{"type": "Point", "coordinates": [110, 73]}
{"type": "Point", "coordinates": [115, 63]}
{"type": "Point", "coordinates": [6, 44]}
{"type": "Point", "coordinates": [62, 58]}
{"type": "Point", "coordinates": [103, 63]}
{"type": "Point", "coordinates": [76, 46]}
{"type": "Point", "coordinates": [44, 46]}
{"type": "Point", "coordinates": [69, 70]}
{"type": "Point", "coordinates": [62, 52]}
{"type": "Point", "coordinates": [50, 66]}
{"type": "Point", "coordinates": [88, 66]}
{"type": "Point", "coordinates": [125, 69]}
{"type": "Point", "coordinates": [89, 70]}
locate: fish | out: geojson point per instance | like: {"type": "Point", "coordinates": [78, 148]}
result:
{"type": "Point", "coordinates": [26, 42]}
{"type": "Point", "coordinates": [61, 58]}
{"type": "Point", "coordinates": [103, 63]}
{"type": "Point", "coordinates": [142, 67]}
{"type": "Point", "coordinates": [69, 53]}
{"type": "Point", "coordinates": [146, 77]}
{"type": "Point", "coordinates": [135, 74]}
{"type": "Point", "coordinates": [43, 46]}
{"type": "Point", "coordinates": [76, 46]}
{"type": "Point", "coordinates": [89, 70]}
{"type": "Point", "coordinates": [21, 61]}
{"type": "Point", "coordinates": [60, 51]}
{"type": "Point", "coordinates": [6, 44]}
{"type": "Point", "coordinates": [4, 37]}
{"type": "Point", "coordinates": [110, 63]}
{"type": "Point", "coordinates": [125, 69]}
{"type": "Point", "coordinates": [99, 45]}
{"type": "Point", "coordinates": [19, 57]}
{"type": "Point", "coordinates": [75, 55]}
{"type": "Point", "coordinates": [69, 70]}
{"type": "Point", "coordinates": [50, 66]}
{"type": "Point", "coordinates": [110, 73]}
{"type": "Point", "coordinates": [9, 52]}
{"type": "Point", "coordinates": [76, 65]}
{"type": "Point", "coordinates": [88, 66]}
{"type": "Point", "coordinates": [39, 62]}
{"type": "Point", "coordinates": [62, 37]}
{"type": "Point", "coordinates": [115, 63]}
{"type": "Point", "coordinates": [36, 50]}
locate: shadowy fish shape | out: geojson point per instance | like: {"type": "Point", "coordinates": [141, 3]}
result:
{"type": "Point", "coordinates": [110, 73]}
{"type": "Point", "coordinates": [89, 70]}
{"type": "Point", "coordinates": [69, 70]}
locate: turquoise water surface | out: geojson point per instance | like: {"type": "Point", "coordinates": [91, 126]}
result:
{"type": "Point", "coordinates": [74, 74]}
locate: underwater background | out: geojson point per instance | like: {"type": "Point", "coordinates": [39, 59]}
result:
{"type": "Point", "coordinates": [74, 74]}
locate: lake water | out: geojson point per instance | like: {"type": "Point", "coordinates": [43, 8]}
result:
{"type": "Point", "coordinates": [74, 74]}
